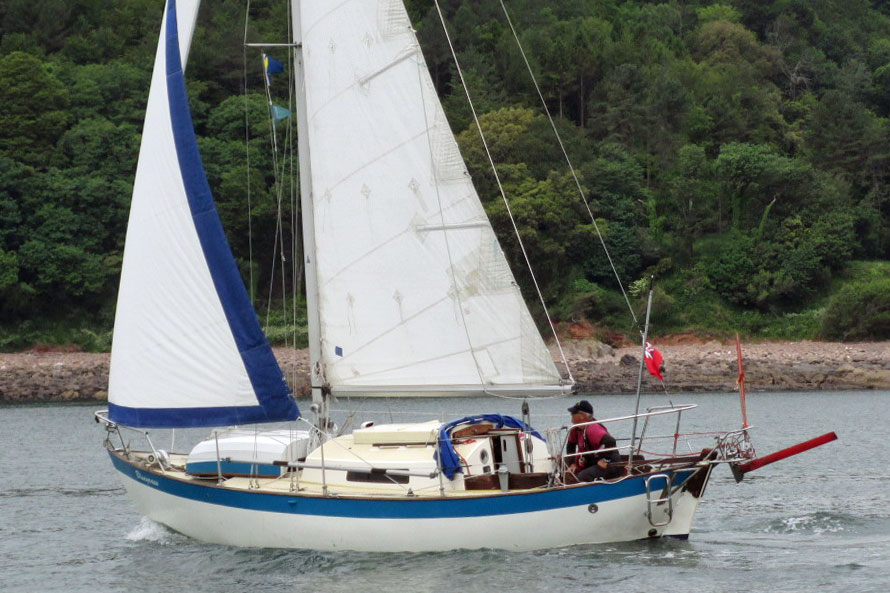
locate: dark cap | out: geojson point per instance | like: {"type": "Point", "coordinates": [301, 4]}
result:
{"type": "Point", "coordinates": [582, 406]}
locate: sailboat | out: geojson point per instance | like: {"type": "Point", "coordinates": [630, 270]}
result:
{"type": "Point", "coordinates": [408, 293]}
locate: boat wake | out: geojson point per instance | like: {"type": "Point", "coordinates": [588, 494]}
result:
{"type": "Point", "coordinates": [817, 523]}
{"type": "Point", "coordinates": [149, 531]}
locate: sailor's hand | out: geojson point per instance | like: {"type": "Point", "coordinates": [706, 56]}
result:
{"type": "Point", "coordinates": [603, 463]}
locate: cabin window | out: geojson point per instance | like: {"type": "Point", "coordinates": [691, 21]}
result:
{"type": "Point", "coordinates": [375, 477]}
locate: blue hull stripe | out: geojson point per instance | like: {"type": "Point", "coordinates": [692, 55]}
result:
{"type": "Point", "coordinates": [275, 402]}
{"type": "Point", "coordinates": [415, 508]}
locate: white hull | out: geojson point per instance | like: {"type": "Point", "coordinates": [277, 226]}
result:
{"type": "Point", "coordinates": [200, 516]}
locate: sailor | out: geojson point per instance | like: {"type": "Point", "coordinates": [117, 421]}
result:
{"type": "Point", "coordinates": [584, 439]}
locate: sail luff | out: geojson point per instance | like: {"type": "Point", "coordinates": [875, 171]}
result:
{"type": "Point", "coordinates": [307, 213]}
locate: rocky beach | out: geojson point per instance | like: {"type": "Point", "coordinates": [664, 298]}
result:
{"type": "Point", "coordinates": [34, 376]}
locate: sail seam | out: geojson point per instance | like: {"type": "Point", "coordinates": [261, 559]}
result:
{"type": "Point", "coordinates": [407, 54]}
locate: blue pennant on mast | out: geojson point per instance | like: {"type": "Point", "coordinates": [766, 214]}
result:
{"type": "Point", "coordinates": [271, 66]}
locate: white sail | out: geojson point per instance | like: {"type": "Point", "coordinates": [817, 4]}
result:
{"type": "Point", "coordinates": [188, 350]}
{"type": "Point", "coordinates": [414, 291]}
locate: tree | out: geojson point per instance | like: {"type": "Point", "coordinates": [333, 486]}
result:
{"type": "Point", "coordinates": [844, 136]}
{"type": "Point", "coordinates": [34, 108]}
{"type": "Point", "coordinates": [115, 91]}
{"type": "Point", "coordinates": [692, 197]}
{"type": "Point", "coordinates": [750, 172]}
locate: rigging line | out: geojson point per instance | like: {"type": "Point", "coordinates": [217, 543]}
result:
{"type": "Point", "coordinates": [451, 266]}
{"type": "Point", "coordinates": [272, 277]}
{"type": "Point", "coordinates": [279, 174]}
{"type": "Point", "coordinates": [274, 143]}
{"type": "Point", "coordinates": [247, 152]}
{"type": "Point", "coordinates": [568, 160]}
{"type": "Point", "coordinates": [278, 169]}
{"type": "Point", "coordinates": [666, 392]}
{"type": "Point", "coordinates": [521, 397]}
{"type": "Point", "coordinates": [281, 224]}
{"type": "Point", "coordinates": [296, 258]}
{"type": "Point", "coordinates": [501, 189]}
{"type": "Point", "coordinates": [278, 239]}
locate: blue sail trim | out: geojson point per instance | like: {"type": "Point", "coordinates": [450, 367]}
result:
{"type": "Point", "coordinates": [275, 400]}
{"type": "Point", "coordinates": [187, 417]}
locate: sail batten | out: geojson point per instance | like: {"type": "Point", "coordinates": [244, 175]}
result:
{"type": "Point", "coordinates": [188, 349]}
{"type": "Point", "coordinates": [414, 292]}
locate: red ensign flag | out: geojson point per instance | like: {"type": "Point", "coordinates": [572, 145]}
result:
{"type": "Point", "coordinates": [654, 361]}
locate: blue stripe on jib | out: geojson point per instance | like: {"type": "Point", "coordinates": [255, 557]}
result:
{"type": "Point", "coordinates": [265, 375]}
{"type": "Point", "coordinates": [186, 417]}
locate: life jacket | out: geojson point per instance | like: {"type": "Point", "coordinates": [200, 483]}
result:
{"type": "Point", "coordinates": [588, 446]}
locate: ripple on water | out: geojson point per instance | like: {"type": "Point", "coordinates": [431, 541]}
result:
{"type": "Point", "coordinates": [69, 492]}
{"type": "Point", "coordinates": [816, 523]}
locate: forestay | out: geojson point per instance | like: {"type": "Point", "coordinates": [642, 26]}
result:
{"type": "Point", "coordinates": [188, 349]}
{"type": "Point", "coordinates": [414, 291]}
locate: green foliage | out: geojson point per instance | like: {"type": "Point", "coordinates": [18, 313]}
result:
{"type": "Point", "coordinates": [60, 331]}
{"type": "Point", "coordinates": [114, 90]}
{"type": "Point", "coordinates": [9, 270]}
{"type": "Point", "coordinates": [34, 112]}
{"type": "Point", "coordinates": [859, 311]}
{"type": "Point", "coordinates": [284, 326]}
{"type": "Point", "coordinates": [737, 151]}
{"type": "Point", "coordinates": [718, 12]}
{"type": "Point", "coordinates": [784, 267]}
{"type": "Point", "coordinates": [593, 302]}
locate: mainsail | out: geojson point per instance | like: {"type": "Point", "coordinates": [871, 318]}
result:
{"type": "Point", "coordinates": [414, 292]}
{"type": "Point", "coordinates": [188, 349]}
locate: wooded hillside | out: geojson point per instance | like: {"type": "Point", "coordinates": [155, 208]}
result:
{"type": "Point", "coordinates": [737, 152]}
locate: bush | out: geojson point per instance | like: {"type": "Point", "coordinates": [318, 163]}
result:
{"type": "Point", "coordinates": [283, 328]}
{"type": "Point", "coordinates": [859, 311]}
{"type": "Point", "coordinates": [594, 303]}
{"type": "Point", "coordinates": [730, 268]}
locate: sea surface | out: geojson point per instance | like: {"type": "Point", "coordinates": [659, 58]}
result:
{"type": "Point", "coordinates": [818, 521]}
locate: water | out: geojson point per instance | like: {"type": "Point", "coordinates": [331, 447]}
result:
{"type": "Point", "coordinates": [817, 520]}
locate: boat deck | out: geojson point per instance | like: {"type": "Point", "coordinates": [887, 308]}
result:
{"type": "Point", "coordinates": [291, 483]}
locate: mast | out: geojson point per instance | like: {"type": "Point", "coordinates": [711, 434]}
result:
{"type": "Point", "coordinates": [319, 400]}
{"type": "Point", "coordinates": [633, 436]}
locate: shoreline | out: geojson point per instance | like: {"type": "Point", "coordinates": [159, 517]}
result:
{"type": "Point", "coordinates": [48, 377]}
